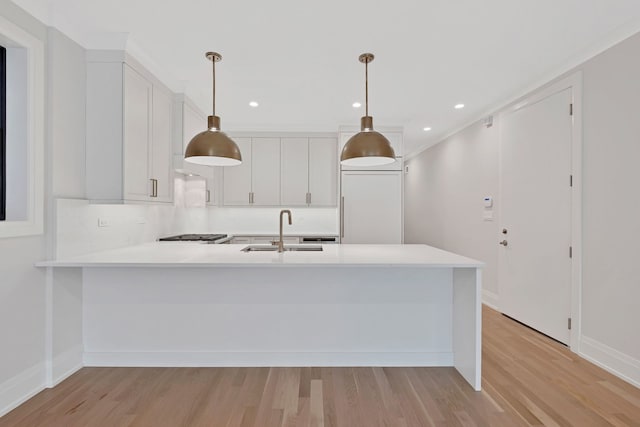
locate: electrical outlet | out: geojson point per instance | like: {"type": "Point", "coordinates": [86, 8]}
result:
{"type": "Point", "coordinates": [103, 222]}
{"type": "Point", "coordinates": [141, 220]}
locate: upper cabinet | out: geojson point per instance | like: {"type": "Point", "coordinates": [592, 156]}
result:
{"type": "Point", "coordinates": [129, 132]}
{"type": "Point", "coordinates": [283, 171]}
{"type": "Point", "coordinates": [255, 182]}
{"type": "Point", "coordinates": [265, 171]}
{"type": "Point", "coordinates": [309, 171]}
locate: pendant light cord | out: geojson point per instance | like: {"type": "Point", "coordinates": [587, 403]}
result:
{"type": "Point", "coordinates": [214, 87]}
{"type": "Point", "coordinates": [366, 87]}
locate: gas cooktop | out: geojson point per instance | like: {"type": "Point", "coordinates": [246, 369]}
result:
{"type": "Point", "coordinates": [193, 238]}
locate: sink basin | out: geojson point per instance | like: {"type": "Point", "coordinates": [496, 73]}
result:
{"type": "Point", "coordinates": [299, 248]}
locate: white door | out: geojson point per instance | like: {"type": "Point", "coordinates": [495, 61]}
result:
{"type": "Point", "coordinates": [535, 267]}
{"type": "Point", "coordinates": [371, 207]}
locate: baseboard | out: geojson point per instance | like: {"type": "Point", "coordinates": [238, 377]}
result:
{"type": "Point", "coordinates": [22, 387]}
{"type": "Point", "coordinates": [610, 359]}
{"type": "Point", "coordinates": [256, 359]}
{"type": "Point", "coordinates": [65, 364]}
{"type": "Point", "coordinates": [490, 299]}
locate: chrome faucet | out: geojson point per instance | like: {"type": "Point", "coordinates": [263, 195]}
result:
{"type": "Point", "coordinates": [280, 243]}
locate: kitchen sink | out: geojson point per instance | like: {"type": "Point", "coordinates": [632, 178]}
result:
{"type": "Point", "coordinates": [299, 248]}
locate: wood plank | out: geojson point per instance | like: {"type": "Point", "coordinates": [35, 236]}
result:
{"type": "Point", "coordinates": [528, 380]}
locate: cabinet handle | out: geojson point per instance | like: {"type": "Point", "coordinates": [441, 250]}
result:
{"type": "Point", "coordinates": [208, 196]}
{"type": "Point", "coordinates": [251, 198]}
{"type": "Point", "coordinates": [342, 217]}
{"type": "Point", "coordinates": [308, 198]}
{"type": "Point", "coordinates": [154, 188]}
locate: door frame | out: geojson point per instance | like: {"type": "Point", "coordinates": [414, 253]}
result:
{"type": "Point", "coordinates": [573, 81]}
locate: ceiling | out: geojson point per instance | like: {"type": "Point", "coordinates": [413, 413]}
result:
{"type": "Point", "coordinates": [299, 59]}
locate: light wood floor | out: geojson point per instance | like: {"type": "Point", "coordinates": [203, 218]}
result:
{"type": "Point", "coordinates": [527, 379]}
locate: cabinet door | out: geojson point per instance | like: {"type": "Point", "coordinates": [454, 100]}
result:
{"type": "Point", "coordinates": [237, 179]}
{"type": "Point", "coordinates": [137, 135]}
{"type": "Point", "coordinates": [161, 161]}
{"type": "Point", "coordinates": [371, 210]}
{"type": "Point", "coordinates": [265, 175]}
{"type": "Point", "coordinates": [323, 171]}
{"type": "Point", "coordinates": [295, 171]}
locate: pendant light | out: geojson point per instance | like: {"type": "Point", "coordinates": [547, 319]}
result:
{"type": "Point", "coordinates": [368, 147]}
{"type": "Point", "coordinates": [213, 147]}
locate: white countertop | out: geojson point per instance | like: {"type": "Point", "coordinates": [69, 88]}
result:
{"type": "Point", "coordinates": [187, 254]}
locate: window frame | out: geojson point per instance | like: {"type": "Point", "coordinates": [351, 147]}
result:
{"type": "Point", "coordinates": [3, 120]}
{"type": "Point", "coordinates": [14, 36]}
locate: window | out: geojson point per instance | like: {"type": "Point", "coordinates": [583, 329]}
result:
{"type": "Point", "coordinates": [23, 139]}
{"type": "Point", "coordinates": [3, 143]}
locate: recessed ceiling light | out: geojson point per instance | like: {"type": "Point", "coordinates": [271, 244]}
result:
{"type": "Point", "coordinates": [427, 129]}
{"type": "Point", "coordinates": [253, 104]}
{"type": "Point", "coordinates": [356, 105]}
{"type": "Point", "coordinates": [458, 106]}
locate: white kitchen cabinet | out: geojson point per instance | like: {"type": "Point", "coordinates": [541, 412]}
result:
{"type": "Point", "coordinates": [371, 207]}
{"type": "Point", "coordinates": [237, 179]}
{"type": "Point", "coordinates": [295, 171]}
{"type": "Point", "coordinates": [160, 147]}
{"type": "Point", "coordinates": [257, 180]}
{"type": "Point", "coordinates": [309, 171]}
{"type": "Point", "coordinates": [136, 135]}
{"type": "Point", "coordinates": [265, 171]}
{"type": "Point", "coordinates": [129, 132]}
{"type": "Point", "coordinates": [323, 172]}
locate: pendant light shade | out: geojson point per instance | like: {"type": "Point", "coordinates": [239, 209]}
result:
{"type": "Point", "coordinates": [213, 147]}
{"type": "Point", "coordinates": [367, 147]}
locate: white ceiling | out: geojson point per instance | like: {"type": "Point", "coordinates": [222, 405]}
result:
{"type": "Point", "coordinates": [298, 58]}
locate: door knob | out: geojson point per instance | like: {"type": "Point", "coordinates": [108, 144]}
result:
{"type": "Point", "coordinates": [504, 231]}
{"type": "Point", "coordinates": [503, 243]}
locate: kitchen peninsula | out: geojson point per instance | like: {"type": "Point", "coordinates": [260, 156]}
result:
{"type": "Point", "coordinates": [193, 304]}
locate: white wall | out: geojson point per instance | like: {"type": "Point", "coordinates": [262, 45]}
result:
{"type": "Point", "coordinates": [22, 289]}
{"type": "Point", "coordinates": [40, 311]}
{"type": "Point", "coordinates": [444, 192]}
{"type": "Point", "coordinates": [78, 232]}
{"type": "Point", "coordinates": [450, 176]}
{"type": "Point", "coordinates": [67, 97]}
{"type": "Point", "coordinates": [611, 202]}
{"type": "Point", "coordinates": [66, 94]}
